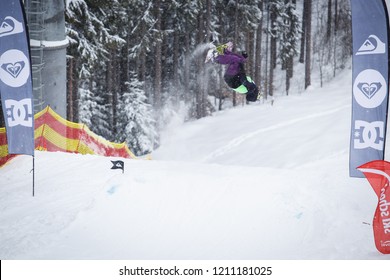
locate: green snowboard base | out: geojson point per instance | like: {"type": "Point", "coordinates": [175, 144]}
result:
{"type": "Point", "coordinates": [242, 89]}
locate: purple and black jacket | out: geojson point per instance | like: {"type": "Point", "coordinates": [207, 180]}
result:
{"type": "Point", "coordinates": [234, 62]}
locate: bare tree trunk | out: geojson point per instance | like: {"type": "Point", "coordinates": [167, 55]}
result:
{"type": "Point", "coordinates": [336, 19]}
{"type": "Point", "coordinates": [157, 78]}
{"type": "Point", "coordinates": [112, 87]}
{"type": "Point", "coordinates": [236, 25]}
{"type": "Point", "coordinates": [266, 85]}
{"type": "Point", "coordinates": [206, 77]}
{"type": "Point", "coordinates": [290, 60]}
{"type": "Point", "coordinates": [220, 72]}
{"type": "Point", "coordinates": [329, 21]}
{"type": "Point", "coordinates": [115, 91]}
{"type": "Point", "coordinates": [303, 37]}
{"type": "Point", "coordinates": [187, 68]}
{"type": "Point", "coordinates": [141, 68]}
{"type": "Point", "coordinates": [307, 13]}
{"type": "Point", "coordinates": [250, 50]}
{"type": "Point", "coordinates": [259, 37]}
{"type": "Point", "coordinates": [272, 64]}
{"type": "Point", "coordinates": [200, 66]}
{"type": "Point", "coordinates": [176, 45]}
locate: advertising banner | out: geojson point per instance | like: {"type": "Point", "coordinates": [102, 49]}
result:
{"type": "Point", "coordinates": [369, 83]}
{"type": "Point", "coordinates": [15, 78]}
{"type": "Point", "coordinates": [378, 174]}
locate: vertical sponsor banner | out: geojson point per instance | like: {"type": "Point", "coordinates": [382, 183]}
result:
{"type": "Point", "coordinates": [15, 78]}
{"type": "Point", "coordinates": [378, 174]}
{"type": "Point", "coordinates": [370, 82]}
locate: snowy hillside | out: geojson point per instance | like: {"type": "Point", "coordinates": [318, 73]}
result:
{"type": "Point", "coordinates": [254, 182]}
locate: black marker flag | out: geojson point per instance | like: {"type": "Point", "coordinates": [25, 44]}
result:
{"type": "Point", "coordinates": [118, 164]}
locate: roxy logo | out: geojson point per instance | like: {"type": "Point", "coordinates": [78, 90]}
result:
{"type": "Point", "coordinates": [384, 210]}
{"type": "Point", "coordinates": [369, 88]}
{"type": "Point", "coordinates": [19, 112]}
{"type": "Point", "coordinates": [369, 135]}
{"type": "Point", "coordinates": [14, 68]}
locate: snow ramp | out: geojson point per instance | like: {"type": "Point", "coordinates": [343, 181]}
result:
{"type": "Point", "coordinates": [258, 182]}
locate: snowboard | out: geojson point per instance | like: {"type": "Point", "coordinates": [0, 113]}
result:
{"type": "Point", "coordinates": [219, 49]}
{"type": "Point", "coordinates": [242, 89]}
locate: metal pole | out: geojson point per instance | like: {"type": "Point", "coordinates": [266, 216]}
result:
{"type": "Point", "coordinates": [33, 185]}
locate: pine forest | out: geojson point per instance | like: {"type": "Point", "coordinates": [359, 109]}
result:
{"type": "Point", "coordinates": [132, 64]}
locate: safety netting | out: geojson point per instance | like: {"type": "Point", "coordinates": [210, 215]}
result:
{"type": "Point", "coordinates": [54, 133]}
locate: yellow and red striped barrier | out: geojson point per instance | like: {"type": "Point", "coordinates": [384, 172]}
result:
{"type": "Point", "coordinates": [4, 156]}
{"type": "Point", "coordinates": [54, 133]}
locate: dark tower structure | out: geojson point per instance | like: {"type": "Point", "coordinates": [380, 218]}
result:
{"type": "Point", "coordinates": [46, 22]}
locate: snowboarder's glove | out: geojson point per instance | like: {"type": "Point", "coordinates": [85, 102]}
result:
{"type": "Point", "coordinates": [229, 46]}
{"type": "Point", "coordinates": [244, 54]}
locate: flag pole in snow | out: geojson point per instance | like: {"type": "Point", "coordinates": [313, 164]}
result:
{"type": "Point", "coordinates": [15, 79]}
{"type": "Point", "coordinates": [33, 183]}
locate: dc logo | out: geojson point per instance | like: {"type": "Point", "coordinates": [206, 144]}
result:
{"type": "Point", "coordinates": [19, 112]}
{"type": "Point", "coordinates": [369, 88]}
{"type": "Point", "coordinates": [14, 68]}
{"type": "Point", "coordinates": [369, 135]}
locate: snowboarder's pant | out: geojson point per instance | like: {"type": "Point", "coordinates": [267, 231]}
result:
{"type": "Point", "coordinates": [235, 81]}
{"type": "Point", "coordinates": [240, 79]}
{"type": "Point", "coordinates": [253, 91]}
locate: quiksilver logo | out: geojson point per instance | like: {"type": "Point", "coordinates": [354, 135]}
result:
{"type": "Point", "coordinates": [372, 45]}
{"type": "Point", "coordinates": [10, 26]}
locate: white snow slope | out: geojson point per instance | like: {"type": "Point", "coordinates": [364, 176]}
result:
{"type": "Point", "coordinates": [254, 182]}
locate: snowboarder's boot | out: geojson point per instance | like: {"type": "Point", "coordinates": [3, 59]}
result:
{"type": "Point", "coordinates": [253, 91]}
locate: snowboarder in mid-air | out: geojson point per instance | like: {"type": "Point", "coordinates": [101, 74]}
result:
{"type": "Point", "coordinates": [235, 75]}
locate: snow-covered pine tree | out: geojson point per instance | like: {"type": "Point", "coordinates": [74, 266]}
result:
{"type": "Point", "coordinates": [81, 27]}
{"type": "Point", "coordinates": [136, 125]}
{"type": "Point", "coordinates": [90, 37]}
{"type": "Point", "coordinates": [141, 41]}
